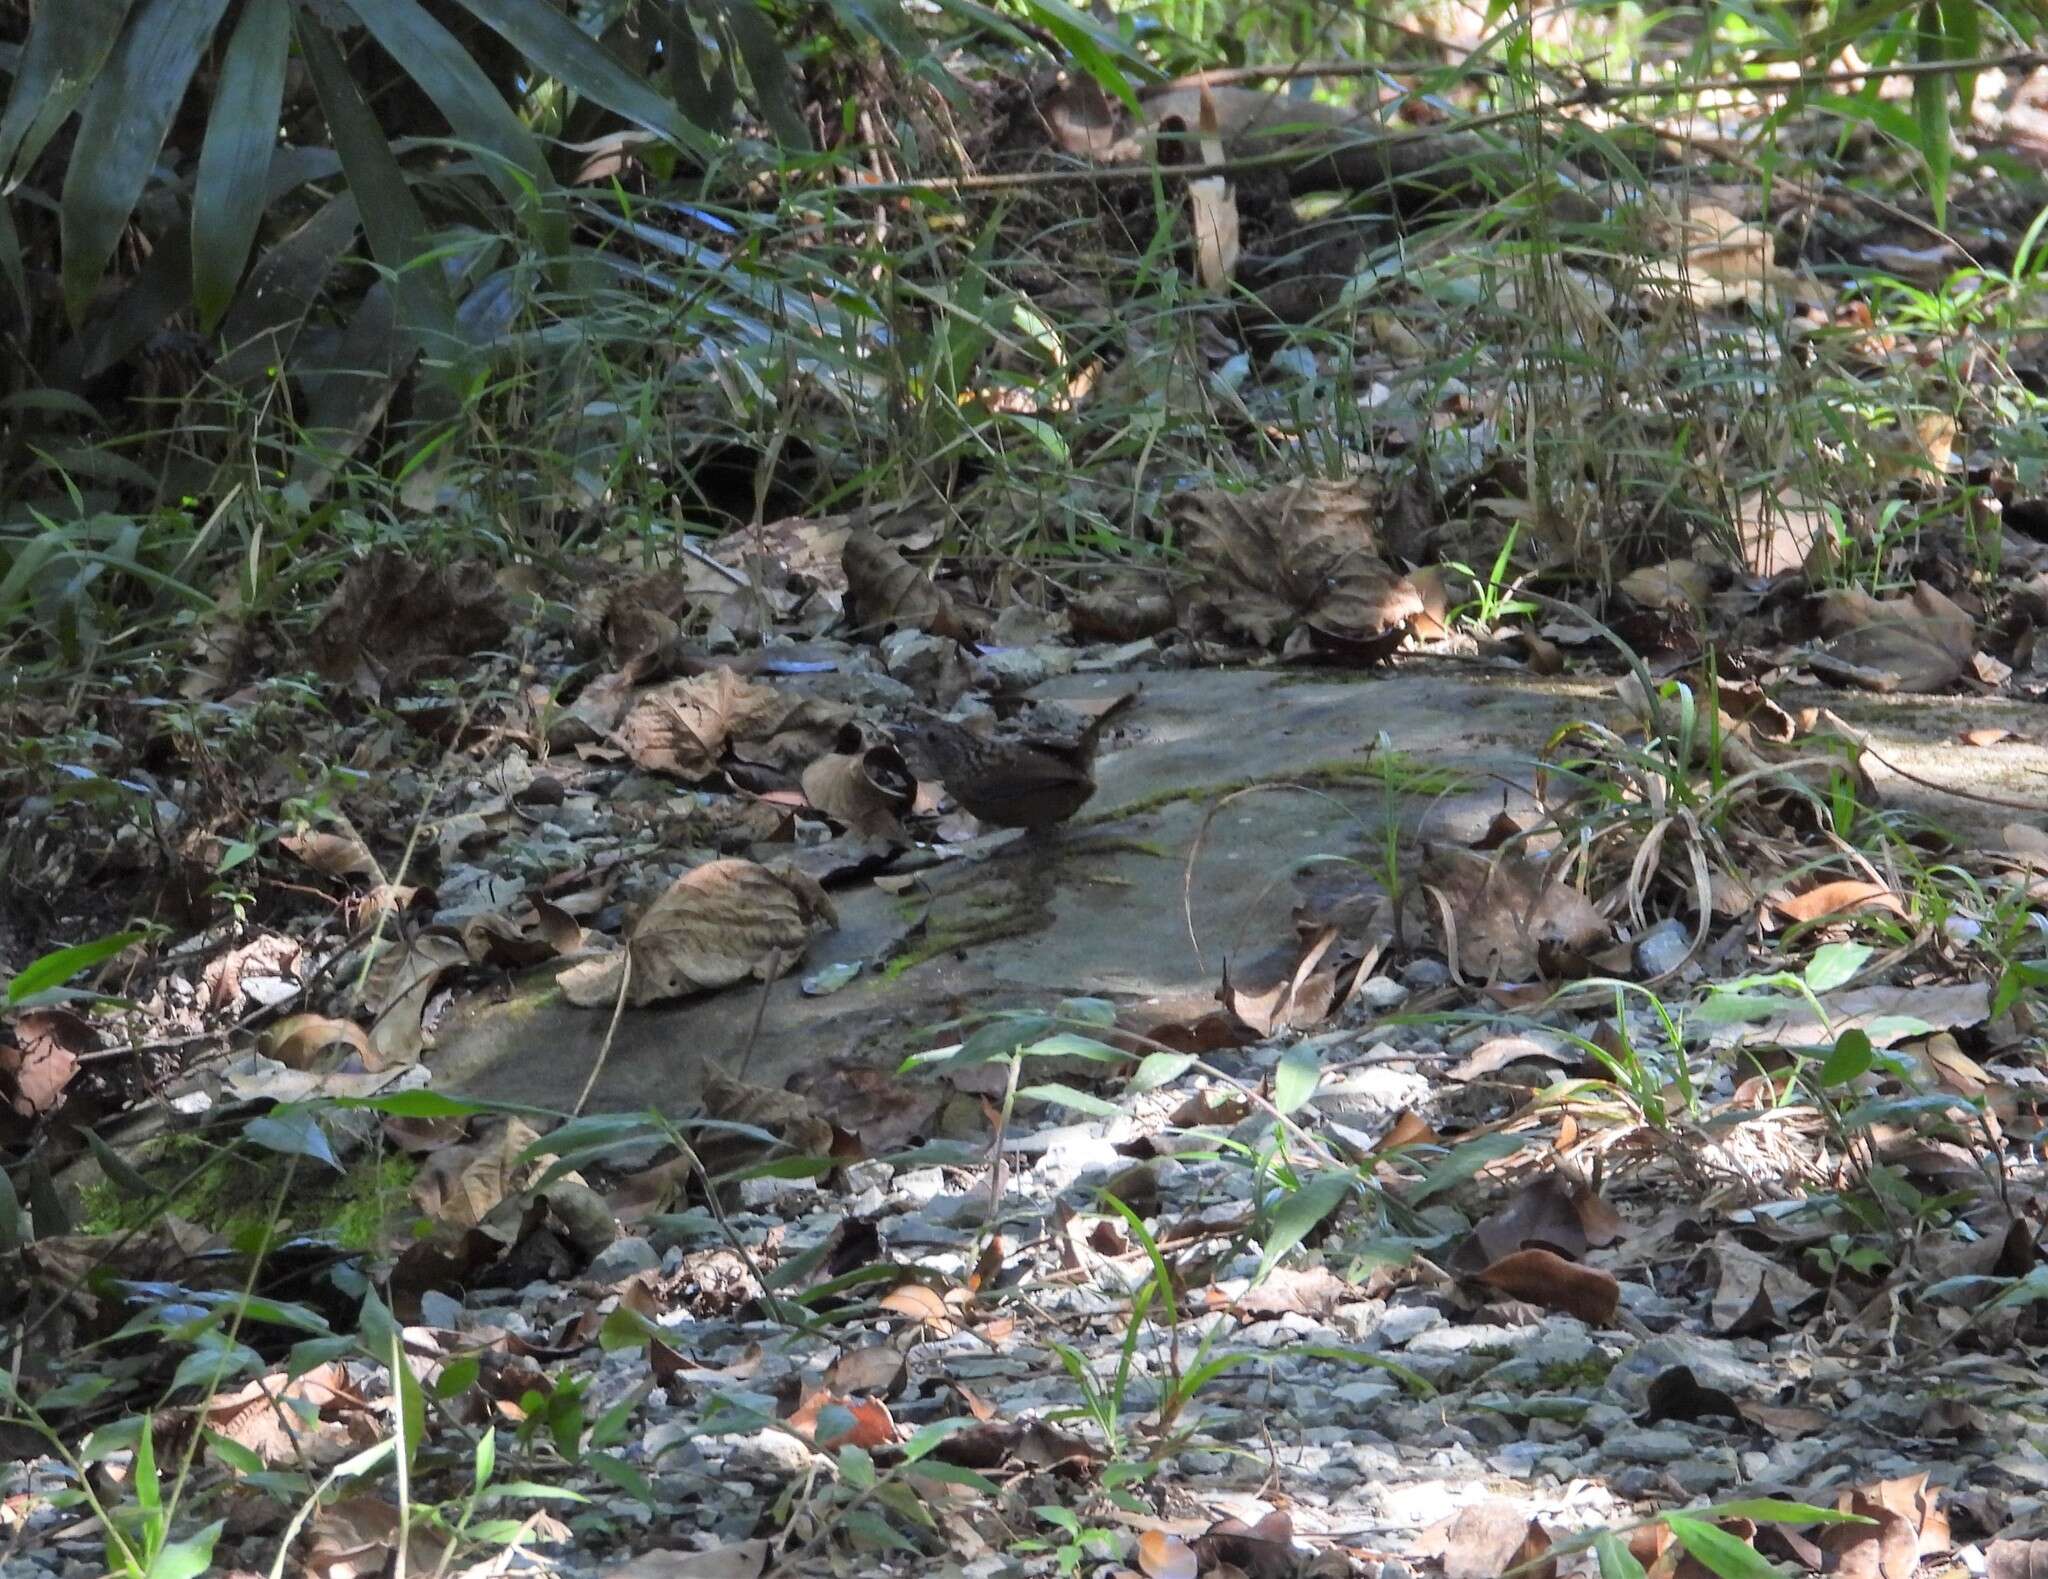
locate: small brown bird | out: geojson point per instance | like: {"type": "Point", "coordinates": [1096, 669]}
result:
{"type": "Point", "coordinates": [1032, 773]}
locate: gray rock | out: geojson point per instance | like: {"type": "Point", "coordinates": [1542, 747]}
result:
{"type": "Point", "coordinates": [1648, 1445]}
{"type": "Point", "coordinates": [624, 1256]}
{"type": "Point", "coordinates": [767, 1455]}
{"type": "Point", "coordinates": [1702, 1477]}
{"type": "Point", "coordinates": [1401, 1325]}
{"type": "Point", "coordinates": [1381, 992]}
{"type": "Point", "coordinates": [920, 1185]}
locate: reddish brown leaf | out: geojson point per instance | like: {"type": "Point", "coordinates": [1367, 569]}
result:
{"type": "Point", "coordinates": [1545, 1278]}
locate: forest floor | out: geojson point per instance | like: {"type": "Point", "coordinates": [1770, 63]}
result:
{"type": "Point", "coordinates": [1505, 1065]}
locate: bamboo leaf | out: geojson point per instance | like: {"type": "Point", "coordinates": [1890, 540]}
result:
{"type": "Point", "coordinates": [769, 69]}
{"type": "Point", "coordinates": [436, 60]}
{"type": "Point", "coordinates": [234, 162]}
{"type": "Point", "coordinates": [121, 131]}
{"type": "Point", "coordinates": [390, 214]}
{"type": "Point", "coordinates": [67, 45]}
{"type": "Point", "coordinates": [555, 46]}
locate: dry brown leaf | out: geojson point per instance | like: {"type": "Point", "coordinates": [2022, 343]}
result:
{"type": "Point", "coordinates": [1212, 215]}
{"type": "Point", "coordinates": [1264, 1550]}
{"type": "Point", "coordinates": [868, 789]}
{"type": "Point", "coordinates": [1555, 1211]}
{"type": "Point", "coordinates": [924, 1304]}
{"type": "Point", "coordinates": [298, 1040]}
{"type": "Point", "coordinates": [878, 1368]}
{"type": "Point", "coordinates": [885, 591]}
{"type": "Point", "coordinates": [1754, 1293]}
{"type": "Point", "coordinates": [1844, 897]}
{"type": "Point", "coordinates": [1498, 1052]}
{"type": "Point", "coordinates": [1679, 584]}
{"type": "Point", "coordinates": [1919, 643]}
{"type": "Point", "coordinates": [459, 1185]}
{"type": "Point", "coordinates": [722, 923]}
{"type": "Point", "coordinates": [1543, 1277]}
{"type": "Point", "coordinates": [356, 1538]}
{"type": "Point", "coordinates": [1784, 534]}
{"type": "Point", "coordinates": [684, 727]}
{"type": "Point", "coordinates": [793, 1117]}
{"type": "Point", "coordinates": [397, 991]}
{"type": "Point", "coordinates": [590, 717]}
{"type": "Point", "coordinates": [1486, 1540]}
{"type": "Point", "coordinates": [2027, 1559]}
{"type": "Point", "coordinates": [1511, 917]}
{"type": "Point", "coordinates": [1296, 567]}
{"type": "Point", "coordinates": [337, 854]}
{"type": "Point", "coordinates": [746, 1560]}
{"type": "Point", "coordinates": [1163, 1556]}
{"type": "Point", "coordinates": [40, 1052]}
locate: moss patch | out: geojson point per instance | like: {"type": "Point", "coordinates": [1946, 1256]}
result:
{"type": "Point", "coordinates": [233, 1195]}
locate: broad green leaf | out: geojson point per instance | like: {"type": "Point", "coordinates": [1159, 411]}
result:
{"type": "Point", "coordinates": [1728, 1556]}
{"type": "Point", "coordinates": [1852, 1057]}
{"type": "Point", "coordinates": [857, 1467]}
{"type": "Point", "coordinates": [390, 214]}
{"type": "Point", "coordinates": [1096, 50]}
{"type": "Point", "coordinates": [67, 45]}
{"type": "Point", "coordinates": [428, 1104]}
{"type": "Point", "coordinates": [80, 1389]}
{"type": "Point", "coordinates": [433, 57]}
{"type": "Point", "coordinates": [238, 1456]}
{"type": "Point", "coordinates": [60, 965]}
{"type": "Point", "coordinates": [234, 162]}
{"type": "Point", "coordinates": [1296, 1217]}
{"type": "Point", "coordinates": [1294, 1082]}
{"type": "Point", "coordinates": [1098, 1012]}
{"type": "Point", "coordinates": [10, 259]}
{"type": "Point", "coordinates": [1003, 1037]}
{"type": "Point", "coordinates": [1159, 1069]}
{"type": "Point", "coordinates": [486, 1462]}
{"type": "Point", "coordinates": [1066, 1096]}
{"type": "Point", "coordinates": [557, 47]}
{"type": "Point", "coordinates": [707, 103]}
{"type": "Point", "coordinates": [120, 1172]}
{"type": "Point", "coordinates": [1616, 1561]}
{"type": "Point", "coordinates": [766, 64]}
{"type": "Point", "coordinates": [458, 1376]}
{"type": "Point", "coordinates": [1070, 1044]}
{"type": "Point", "coordinates": [1776, 1510]}
{"type": "Point", "coordinates": [291, 1132]}
{"type": "Point", "coordinates": [11, 1235]}
{"type": "Point", "coordinates": [1463, 1162]}
{"type": "Point", "coordinates": [1734, 1008]}
{"type": "Point", "coordinates": [630, 1480]}
{"type": "Point", "coordinates": [189, 1558]}
{"type": "Point", "coordinates": [930, 1436]}
{"type": "Point", "coordinates": [1834, 963]}
{"type": "Point", "coordinates": [954, 1475]}
{"type": "Point", "coordinates": [121, 130]}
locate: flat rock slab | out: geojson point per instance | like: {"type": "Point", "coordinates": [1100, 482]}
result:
{"type": "Point", "coordinates": [1177, 864]}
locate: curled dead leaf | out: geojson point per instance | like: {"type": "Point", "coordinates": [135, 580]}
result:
{"type": "Point", "coordinates": [724, 922]}
{"type": "Point", "coordinates": [298, 1040]}
{"type": "Point", "coordinates": [866, 788]}
{"type": "Point", "coordinates": [885, 591]}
